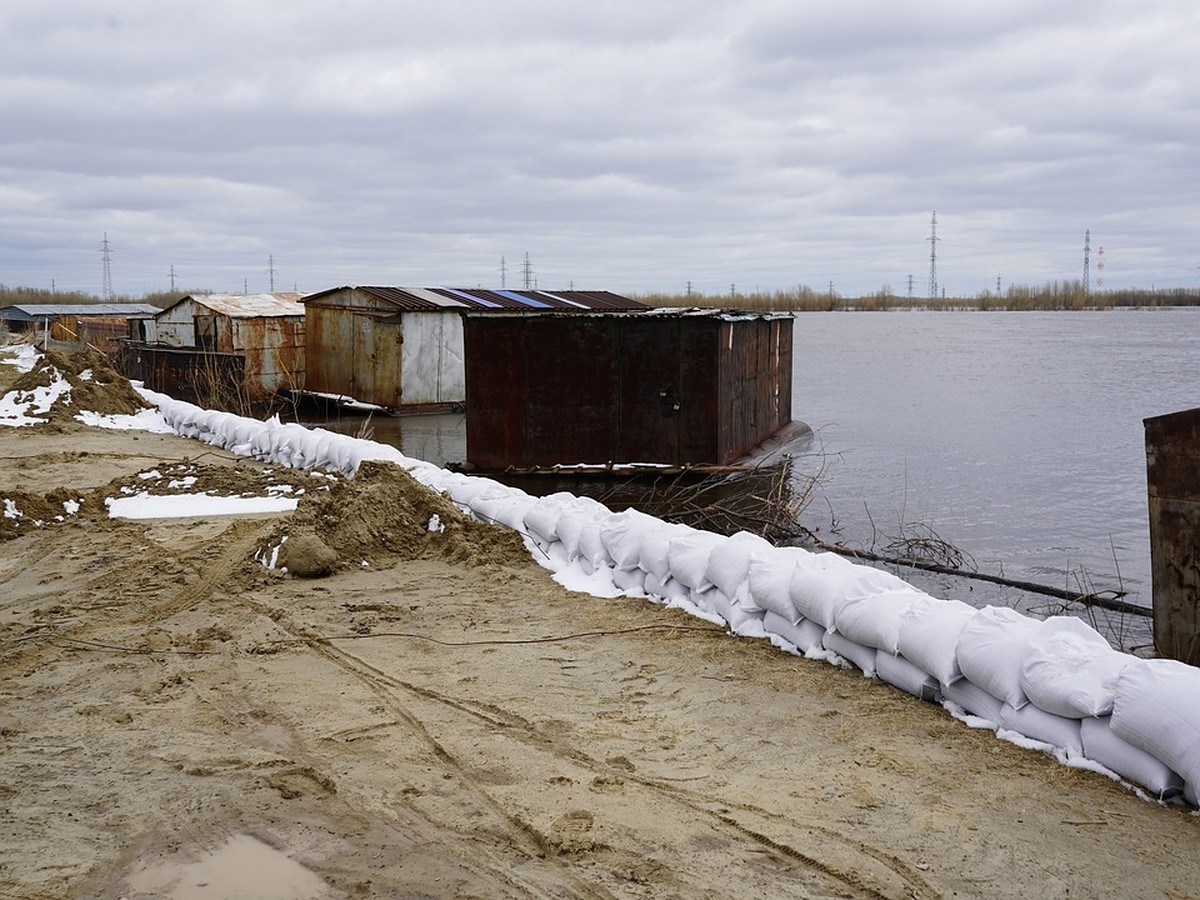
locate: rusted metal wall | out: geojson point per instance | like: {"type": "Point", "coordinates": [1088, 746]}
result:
{"type": "Point", "coordinates": [212, 380]}
{"type": "Point", "coordinates": [1173, 481]}
{"type": "Point", "coordinates": [755, 382]}
{"type": "Point", "coordinates": [273, 348]}
{"type": "Point", "coordinates": [176, 325]}
{"type": "Point", "coordinates": [673, 389]}
{"type": "Point", "coordinates": [351, 350]}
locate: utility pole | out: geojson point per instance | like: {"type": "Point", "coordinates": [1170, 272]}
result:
{"type": "Point", "coordinates": [933, 239]}
{"type": "Point", "coordinates": [1087, 253]}
{"type": "Point", "coordinates": [106, 290]}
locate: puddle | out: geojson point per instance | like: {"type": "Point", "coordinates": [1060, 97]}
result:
{"type": "Point", "coordinates": [244, 869]}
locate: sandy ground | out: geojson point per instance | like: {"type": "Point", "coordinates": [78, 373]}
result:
{"type": "Point", "coordinates": [446, 721]}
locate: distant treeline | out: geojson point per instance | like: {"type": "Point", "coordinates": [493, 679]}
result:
{"type": "Point", "coordinates": [1054, 295]}
{"type": "Point", "coordinates": [16, 296]}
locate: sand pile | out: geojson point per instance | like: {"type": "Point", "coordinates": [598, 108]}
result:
{"type": "Point", "coordinates": [383, 516]}
{"type": "Point", "coordinates": [95, 385]}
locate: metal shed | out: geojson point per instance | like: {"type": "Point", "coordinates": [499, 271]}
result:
{"type": "Point", "coordinates": [690, 387]}
{"type": "Point", "coordinates": [250, 344]}
{"type": "Point", "coordinates": [97, 324]}
{"type": "Point", "coordinates": [402, 347]}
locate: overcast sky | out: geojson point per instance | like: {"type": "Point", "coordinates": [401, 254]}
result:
{"type": "Point", "coordinates": [630, 145]}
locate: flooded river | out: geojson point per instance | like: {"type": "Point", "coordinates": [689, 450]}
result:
{"type": "Point", "coordinates": [1016, 438]}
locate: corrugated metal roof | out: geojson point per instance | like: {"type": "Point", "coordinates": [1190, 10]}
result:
{"type": "Point", "coordinates": [37, 310]}
{"type": "Point", "coordinates": [665, 312]}
{"type": "Point", "coordinates": [406, 299]}
{"type": "Point", "coordinates": [250, 306]}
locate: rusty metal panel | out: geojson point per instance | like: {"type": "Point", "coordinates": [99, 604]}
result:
{"type": "Point", "coordinates": [676, 389]}
{"type": "Point", "coordinates": [274, 352]}
{"type": "Point", "coordinates": [572, 400]}
{"type": "Point", "coordinates": [212, 380]}
{"type": "Point", "coordinates": [176, 325]}
{"type": "Point", "coordinates": [329, 350]}
{"type": "Point", "coordinates": [1173, 486]}
{"type": "Point", "coordinates": [497, 385]}
{"type": "Point", "coordinates": [650, 388]}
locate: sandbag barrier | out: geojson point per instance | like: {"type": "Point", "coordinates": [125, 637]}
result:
{"type": "Point", "coordinates": [1055, 685]}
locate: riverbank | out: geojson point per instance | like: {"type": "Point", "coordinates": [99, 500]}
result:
{"type": "Point", "coordinates": [446, 720]}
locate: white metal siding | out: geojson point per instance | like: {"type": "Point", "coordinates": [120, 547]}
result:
{"type": "Point", "coordinates": [431, 360]}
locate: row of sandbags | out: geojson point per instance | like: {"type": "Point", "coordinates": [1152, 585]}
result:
{"type": "Point", "coordinates": [1054, 681]}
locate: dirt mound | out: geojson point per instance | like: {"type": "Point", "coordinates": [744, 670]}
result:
{"type": "Point", "coordinates": [95, 385]}
{"type": "Point", "coordinates": [22, 511]}
{"type": "Point", "coordinates": [383, 516]}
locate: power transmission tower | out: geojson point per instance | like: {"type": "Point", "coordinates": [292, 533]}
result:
{"type": "Point", "coordinates": [106, 290]}
{"type": "Point", "coordinates": [271, 270]}
{"type": "Point", "coordinates": [527, 271]}
{"type": "Point", "coordinates": [1087, 252]}
{"type": "Point", "coordinates": [933, 239]}
{"type": "Point", "coordinates": [172, 279]}
{"type": "Point", "coordinates": [1100, 269]}
{"type": "Point", "coordinates": [910, 286]}
{"type": "Point", "coordinates": [997, 284]}
{"type": "Point", "coordinates": [503, 274]}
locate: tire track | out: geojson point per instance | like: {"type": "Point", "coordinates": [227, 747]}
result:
{"type": "Point", "coordinates": [518, 728]}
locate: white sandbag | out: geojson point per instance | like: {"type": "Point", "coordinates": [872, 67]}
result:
{"type": "Point", "coordinates": [820, 583]}
{"type": "Point", "coordinates": [928, 637]}
{"type": "Point", "coordinates": [687, 555]}
{"type": "Point", "coordinates": [652, 556]}
{"type": "Point", "coordinates": [1070, 670]}
{"type": "Point", "coordinates": [665, 588]}
{"type": "Point", "coordinates": [573, 519]}
{"type": "Point", "coordinates": [991, 649]}
{"type": "Point", "coordinates": [899, 672]}
{"type": "Point", "coordinates": [592, 555]}
{"type": "Point", "coordinates": [859, 654]}
{"type": "Point", "coordinates": [633, 580]}
{"type": "Point", "coordinates": [502, 506]}
{"type": "Point", "coordinates": [805, 635]}
{"type": "Point", "coordinates": [874, 619]}
{"type": "Point", "coordinates": [463, 491]}
{"type": "Point", "coordinates": [541, 519]}
{"type": "Point", "coordinates": [1057, 731]}
{"type": "Point", "coordinates": [729, 561]}
{"type": "Point", "coordinates": [736, 616]}
{"type": "Point", "coordinates": [1133, 764]}
{"type": "Point", "coordinates": [1157, 708]}
{"type": "Point", "coordinates": [974, 699]}
{"type": "Point", "coordinates": [622, 535]}
{"type": "Point", "coordinates": [770, 580]}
